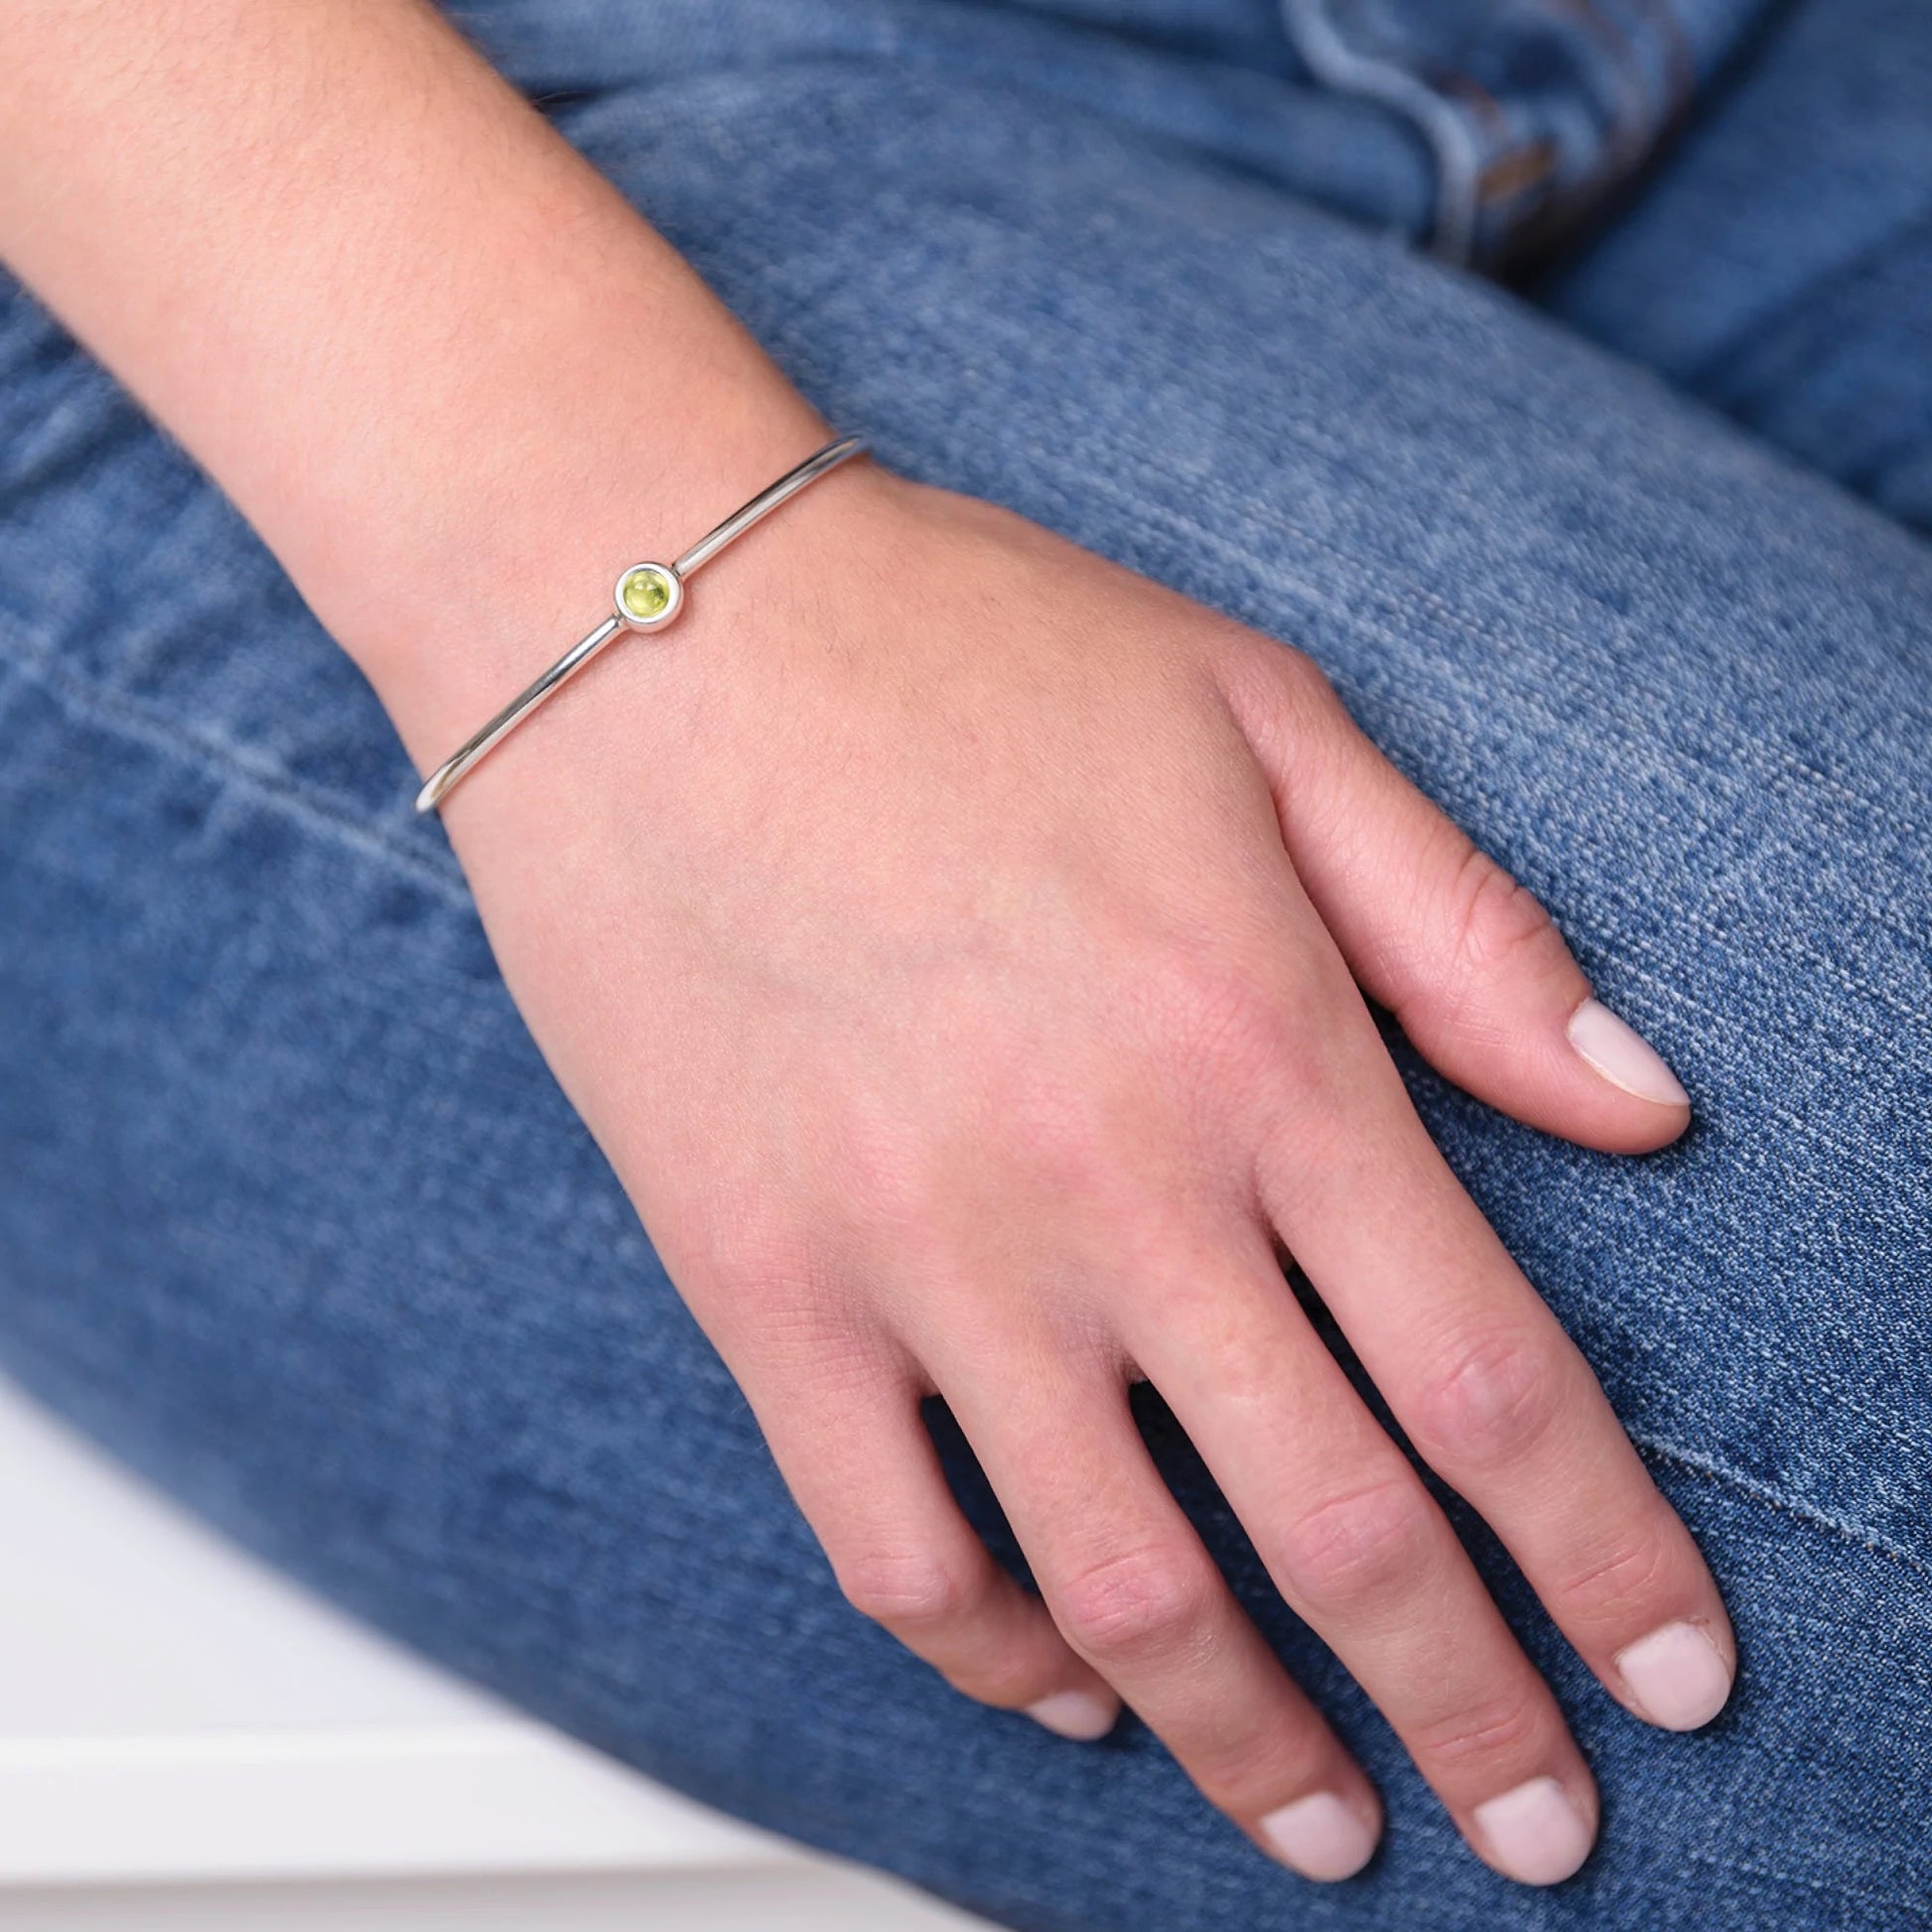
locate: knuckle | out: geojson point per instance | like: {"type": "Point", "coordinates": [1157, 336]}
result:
{"type": "Point", "coordinates": [1245, 1361]}
{"type": "Point", "coordinates": [1240, 1030]}
{"type": "Point", "coordinates": [1504, 1728]}
{"type": "Point", "coordinates": [1215, 1010]}
{"type": "Point", "coordinates": [1494, 921]}
{"type": "Point", "coordinates": [1052, 1130]}
{"type": "Point", "coordinates": [1246, 1760]}
{"type": "Point", "coordinates": [1138, 1603]}
{"type": "Point", "coordinates": [787, 1305]}
{"type": "Point", "coordinates": [1276, 690]}
{"type": "Point", "coordinates": [1493, 1399]}
{"type": "Point", "coordinates": [1623, 1576]}
{"type": "Point", "coordinates": [1006, 1679]}
{"type": "Point", "coordinates": [749, 1254]}
{"type": "Point", "coordinates": [878, 1186]}
{"type": "Point", "coordinates": [1310, 697]}
{"type": "Point", "coordinates": [1360, 1546]}
{"type": "Point", "coordinates": [910, 1592]}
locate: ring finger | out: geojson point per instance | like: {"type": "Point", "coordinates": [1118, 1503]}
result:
{"type": "Point", "coordinates": [1362, 1554]}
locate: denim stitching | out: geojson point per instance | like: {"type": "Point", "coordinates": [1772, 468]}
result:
{"type": "Point", "coordinates": [236, 763]}
{"type": "Point", "coordinates": [1855, 1534]}
{"type": "Point", "coordinates": [1914, 1907]}
{"type": "Point", "coordinates": [1443, 124]}
{"type": "Point", "coordinates": [1443, 107]}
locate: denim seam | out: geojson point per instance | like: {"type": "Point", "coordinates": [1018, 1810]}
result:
{"type": "Point", "coordinates": [1855, 1534]}
{"type": "Point", "coordinates": [1914, 1908]}
{"type": "Point", "coordinates": [1441, 123]}
{"type": "Point", "coordinates": [1453, 130]}
{"type": "Point", "coordinates": [230, 763]}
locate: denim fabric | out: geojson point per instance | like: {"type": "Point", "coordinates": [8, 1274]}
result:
{"type": "Point", "coordinates": [295, 1218]}
{"type": "Point", "coordinates": [1533, 109]}
{"type": "Point", "coordinates": [1780, 265]}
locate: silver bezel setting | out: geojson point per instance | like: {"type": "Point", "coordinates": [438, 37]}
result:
{"type": "Point", "coordinates": [657, 622]}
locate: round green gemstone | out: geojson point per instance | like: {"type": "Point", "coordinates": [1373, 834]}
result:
{"type": "Point", "coordinates": [645, 592]}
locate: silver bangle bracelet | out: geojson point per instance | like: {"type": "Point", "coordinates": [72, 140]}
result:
{"type": "Point", "coordinates": [647, 598]}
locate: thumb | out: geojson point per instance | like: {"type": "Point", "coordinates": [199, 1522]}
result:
{"type": "Point", "coordinates": [1467, 960]}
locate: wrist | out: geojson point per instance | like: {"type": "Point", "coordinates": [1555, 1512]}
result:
{"type": "Point", "coordinates": [652, 697]}
{"type": "Point", "coordinates": [447, 373]}
{"type": "Point", "coordinates": [478, 578]}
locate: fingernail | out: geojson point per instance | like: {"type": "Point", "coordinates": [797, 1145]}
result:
{"type": "Point", "coordinates": [1534, 1832]}
{"type": "Point", "coordinates": [1622, 1055]}
{"type": "Point", "coordinates": [1321, 1837]}
{"type": "Point", "coordinates": [1078, 1714]}
{"type": "Point", "coordinates": [1677, 1675]}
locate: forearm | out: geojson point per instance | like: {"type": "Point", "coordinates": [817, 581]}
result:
{"type": "Point", "coordinates": [447, 373]}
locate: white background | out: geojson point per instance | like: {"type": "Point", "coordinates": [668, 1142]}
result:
{"type": "Point", "coordinates": [188, 1741]}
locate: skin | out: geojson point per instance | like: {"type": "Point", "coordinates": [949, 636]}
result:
{"type": "Point", "coordinates": [940, 1045]}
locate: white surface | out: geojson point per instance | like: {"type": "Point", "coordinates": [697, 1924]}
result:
{"type": "Point", "coordinates": [171, 1713]}
{"type": "Point", "coordinates": [803, 1901]}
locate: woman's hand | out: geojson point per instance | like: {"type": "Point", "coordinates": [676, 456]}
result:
{"type": "Point", "coordinates": [954, 942]}
{"type": "Point", "coordinates": [952, 939]}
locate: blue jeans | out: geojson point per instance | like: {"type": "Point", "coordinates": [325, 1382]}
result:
{"type": "Point", "coordinates": [294, 1217]}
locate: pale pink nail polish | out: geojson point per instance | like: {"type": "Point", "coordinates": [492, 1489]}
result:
{"type": "Point", "coordinates": [1534, 1832]}
{"type": "Point", "coordinates": [1622, 1055]}
{"type": "Point", "coordinates": [1079, 1714]}
{"type": "Point", "coordinates": [1321, 1837]}
{"type": "Point", "coordinates": [1675, 1675]}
